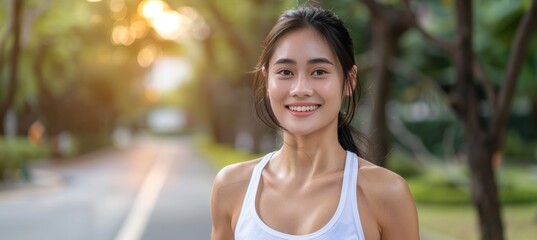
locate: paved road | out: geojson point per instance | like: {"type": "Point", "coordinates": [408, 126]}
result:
{"type": "Point", "coordinates": [155, 189]}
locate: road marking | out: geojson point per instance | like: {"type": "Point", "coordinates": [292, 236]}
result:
{"type": "Point", "coordinates": [134, 225]}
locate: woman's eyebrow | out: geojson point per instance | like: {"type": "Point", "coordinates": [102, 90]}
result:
{"type": "Point", "coordinates": [319, 60]}
{"type": "Point", "coordinates": [285, 61]}
{"type": "Point", "coordinates": [311, 61]}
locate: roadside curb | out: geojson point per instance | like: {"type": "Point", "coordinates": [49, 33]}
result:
{"type": "Point", "coordinates": [42, 181]}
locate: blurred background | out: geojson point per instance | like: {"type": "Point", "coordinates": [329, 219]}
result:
{"type": "Point", "coordinates": [116, 114]}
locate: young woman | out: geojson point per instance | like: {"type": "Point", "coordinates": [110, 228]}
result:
{"type": "Point", "coordinates": [317, 185]}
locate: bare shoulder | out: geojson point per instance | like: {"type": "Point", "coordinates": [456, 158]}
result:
{"type": "Point", "coordinates": [232, 177]}
{"type": "Point", "coordinates": [381, 182]}
{"type": "Point", "coordinates": [236, 172]}
{"type": "Point", "coordinates": [230, 185]}
{"type": "Point", "coordinates": [390, 201]}
{"type": "Point", "coordinates": [227, 195]}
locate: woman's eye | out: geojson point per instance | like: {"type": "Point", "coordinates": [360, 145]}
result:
{"type": "Point", "coordinates": [285, 73]}
{"type": "Point", "coordinates": [319, 72]}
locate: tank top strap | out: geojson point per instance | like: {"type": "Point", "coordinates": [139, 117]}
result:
{"type": "Point", "coordinates": [353, 194]}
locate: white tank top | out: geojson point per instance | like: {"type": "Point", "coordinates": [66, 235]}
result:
{"type": "Point", "coordinates": [344, 225]}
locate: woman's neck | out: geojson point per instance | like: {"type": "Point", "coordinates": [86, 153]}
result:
{"type": "Point", "coordinates": [309, 156]}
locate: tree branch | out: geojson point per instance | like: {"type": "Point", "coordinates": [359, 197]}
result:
{"type": "Point", "coordinates": [397, 127]}
{"type": "Point", "coordinates": [406, 137]}
{"type": "Point", "coordinates": [514, 64]}
{"type": "Point", "coordinates": [400, 67]}
{"type": "Point", "coordinates": [463, 97]}
{"type": "Point", "coordinates": [482, 76]}
{"type": "Point", "coordinates": [447, 46]}
{"type": "Point", "coordinates": [233, 36]}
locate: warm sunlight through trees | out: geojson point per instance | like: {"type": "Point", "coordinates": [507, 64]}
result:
{"type": "Point", "coordinates": [448, 87]}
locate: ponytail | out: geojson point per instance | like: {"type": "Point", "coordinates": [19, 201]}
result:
{"type": "Point", "coordinates": [346, 135]}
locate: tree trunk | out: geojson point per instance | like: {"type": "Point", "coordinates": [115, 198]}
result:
{"type": "Point", "coordinates": [484, 188]}
{"type": "Point", "coordinates": [14, 62]}
{"type": "Point", "coordinates": [217, 96]}
{"type": "Point", "coordinates": [387, 26]}
{"type": "Point", "coordinates": [384, 49]}
{"type": "Point", "coordinates": [466, 105]}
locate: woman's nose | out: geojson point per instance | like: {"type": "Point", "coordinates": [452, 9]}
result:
{"type": "Point", "coordinates": [301, 87]}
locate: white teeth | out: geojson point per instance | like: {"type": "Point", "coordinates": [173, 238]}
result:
{"type": "Point", "coordinates": [303, 108]}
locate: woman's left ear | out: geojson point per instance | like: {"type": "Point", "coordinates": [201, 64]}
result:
{"type": "Point", "coordinates": [352, 78]}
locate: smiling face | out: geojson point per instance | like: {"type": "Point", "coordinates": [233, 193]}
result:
{"type": "Point", "coordinates": [304, 83]}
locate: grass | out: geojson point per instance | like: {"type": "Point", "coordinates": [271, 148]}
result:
{"type": "Point", "coordinates": [221, 155]}
{"type": "Point", "coordinates": [460, 222]}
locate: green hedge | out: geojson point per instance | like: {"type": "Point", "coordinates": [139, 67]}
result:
{"type": "Point", "coordinates": [15, 153]}
{"type": "Point", "coordinates": [449, 184]}
{"type": "Point", "coordinates": [404, 165]}
{"type": "Point", "coordinates": [433, 188]}
{"type": "Point", "coordinates": [438, 189]}
{"type": "Point", "coordinates": [219, 154]}
{"type": "Point", "coordinates": [519, 150]}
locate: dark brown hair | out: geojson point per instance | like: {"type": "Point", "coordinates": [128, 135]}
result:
{"type": "Point", "coordinates": [329, 26]}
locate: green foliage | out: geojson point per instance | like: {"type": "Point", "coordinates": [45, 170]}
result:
{"type": "Point", "coordinates": [219, 154]}
{"type": "Point", "coordinates": [518, 149]}
{"type": "Point", "coordinates": [437, 187]}
{"type": "Point", "coordinates": [494, 29]}
{"type": "Point", "coordinates": [404, 165]}
{"type": "Point", "coordinates": [513, 194]}
{"type": "Point", "coordinates": [15, 153]}
{"type": "Point", "coordinates": [355, 16]}
{"type": "Point", "coordinates": [433, 135]}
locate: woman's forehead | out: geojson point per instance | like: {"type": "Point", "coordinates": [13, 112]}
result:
{"type": "Point", "coordinates": [301, 46]}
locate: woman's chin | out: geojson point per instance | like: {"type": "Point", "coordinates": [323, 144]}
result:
{"type": "Point", "coordinates": [301, 131]}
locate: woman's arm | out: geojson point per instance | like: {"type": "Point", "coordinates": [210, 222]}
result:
{"type": "Point", "coordinates": [399, 218]}
{"type": "Point", "coordinates": [227, 195]}
{"type": "Point", "coordinates": [220, 212]}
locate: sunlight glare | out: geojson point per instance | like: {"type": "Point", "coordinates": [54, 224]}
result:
{"type": "Point", "coordinates": [140, 28]}
{"type": "Point", "coordinates": [168, 24]}
{"type": "Point", "coordinates": [122, 35]}
{"type": "Point", "coordinates": [147, 55]}
{"type": "Point", "coordinates": [169, 73]}
{"type": "Point", "coordinates": [152, 9]}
